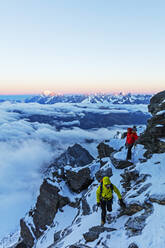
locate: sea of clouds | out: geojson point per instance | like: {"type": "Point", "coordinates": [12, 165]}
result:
{"type": "Point", "coordinates": [26, 149]}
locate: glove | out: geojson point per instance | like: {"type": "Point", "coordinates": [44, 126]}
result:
{"type": "Point", "coordinates": [122, 204]}
{"type": "Point", "coordinates": [126, 145]}
{"type": "Point", "coordinates": [98, 204]}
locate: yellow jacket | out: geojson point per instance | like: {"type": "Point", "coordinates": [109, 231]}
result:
{"type": "Point", "coordinates": [107, 192]}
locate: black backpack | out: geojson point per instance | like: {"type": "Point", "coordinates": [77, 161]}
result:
{"type": "Point", "coordinates": [101, 189]}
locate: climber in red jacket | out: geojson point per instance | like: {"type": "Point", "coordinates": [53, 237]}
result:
{"type": "Point", "coordinates": [130, 141]}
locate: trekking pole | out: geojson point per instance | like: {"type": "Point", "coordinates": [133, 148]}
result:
{"type": "Point", "coordinates": [133, 155]}
{"type": "Point", "coordinates": [96, 208]}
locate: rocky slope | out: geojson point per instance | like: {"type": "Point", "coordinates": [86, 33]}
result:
{"type": "Point", "coordinates": [65, 214]}
{"type": "Point", "coordinates": [82, 182]}
{"type": "Point", "coordinates": [92, 98]}
{"type": "Point", "coordinates": [154, 135]}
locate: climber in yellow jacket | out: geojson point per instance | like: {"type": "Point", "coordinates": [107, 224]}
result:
{"type": "Point", "coordinates": [104, 196]}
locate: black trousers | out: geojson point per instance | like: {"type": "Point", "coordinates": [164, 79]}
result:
{"type": "Point", "coordinates": [129, 152]}
{"type": "Point", "coordinates": [106, 205]}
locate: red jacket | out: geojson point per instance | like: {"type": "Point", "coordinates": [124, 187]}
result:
{"type": "Point", "coordinates": [131, 137]}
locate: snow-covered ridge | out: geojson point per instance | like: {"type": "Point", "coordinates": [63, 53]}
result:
{"type": "Point", "coordinates": [51, 98]}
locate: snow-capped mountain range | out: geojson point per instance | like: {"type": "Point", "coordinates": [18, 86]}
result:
{"type": "Point", "coordinates": [65, 214]}
{"type": "Point", "coordinates": [51, 98]}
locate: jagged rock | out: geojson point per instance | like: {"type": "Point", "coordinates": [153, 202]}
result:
{"type": "Point", "coordinates": [120, 164]}
{"type": "Point", "coordinates": [134, 182]}
{"type": "Point", "coordinates": [141, 190]}
{"type": "Point", "coordinates": [57, 236]}
{"type": "Point", "coordinates": [90, 236]}
{"type": "Point", "coordinates": [26, 234]}
{"type": "Point", "coordinates": [80, 180]}
{"type": "Point", "coordinates": [47, 205]}
{"type": "Point", "coordinates": [79, 246]}
{"type": "Point", "coordinates": [60, 235]}
{"type": "Point", "coordinates": [132, 245]}
{"type": "Point", "coordinates": [157, 103]}
{"type": "Point", "coordinates": [135, 225]}
{"type": "Point", "coordinates": [85, 207]}
{"type": "Point", "coordinates": [160, 199]}
{"type": "Point", "coordinates": [131, 209]}
{"type": "Point", "coordinates": [101, 229]}
{"type": "Point", "coordinates": [20, 245]}
{"type": "Point", "coordinates": [103, 173]}
{"type": "Point", "coordinates": [104, 150]}
{"type": "Point", "coordinates": [155, 127]}
{"type": "Point", "coordinates": [95, 231]}
{"type": "Point", "coordinates": [144, 188]}
{"type": "Point", "coordinates": [142, 178]}
{"type": "Point", "coordinates": [75, 156]}
{"type": "Point", "coordinates": [129, 176]}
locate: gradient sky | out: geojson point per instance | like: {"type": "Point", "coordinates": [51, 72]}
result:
{"type": "Point", "coordinates": [73, 46]}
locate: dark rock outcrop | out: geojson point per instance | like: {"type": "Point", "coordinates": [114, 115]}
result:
{"type": "Point", "coordinates": [26, 234]}
{"type": "Point", "coordinates": [129, 176]}
{"type": "Point", "coordinates": [91, 236]}
{"type": "Point", "coordinates": [120, 164]}
{"type": "Point", "coordinates": [75, 156]}
{"type": "Point", "coordinates": [104, 150]}
{"type": "Point", "coordinates": [48, 203]}
{"type": "Point", "coordinates": [135, 224]}
{"type": "Point", "coordinates": [79, 246]}
{"type": "Point", "coordinates": [157, 103]}
{"type": "Point", "coordinates": [160, 199]}
{"type": "Point", "coordinates": [131, 209]}
{"type": "Point", "coordinates": [80, 180]}
{"type": "Point", "coordinates": [20, 245]}
{"type": "Point", "coordinates": [95, 231]}
{"type": "Point", "coordinates": [132, 245]}
{"type": "Point", "coordinates": [85, 207]}
{"type": "Point", "coordinates": [104, 172]}
{"type": "Point", "coordinates": [155, 131]}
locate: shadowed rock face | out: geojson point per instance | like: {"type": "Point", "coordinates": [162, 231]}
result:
{"type": "Point", "coordinates": [75, 156]}
{"type": "Point", "coordinates": [94, 232]}
{"type": "Point", "coordinates": [47, 205]}
{"type": "Point", "coordinates": [48, 202]}
{"type": "Point", "coordinates": [104, 150]}
{"type": "Point", "coordinates": [103, 173]}
{"type": "Point", "coordinates": [153, 137]}
{"type": "Point", "coordinates": [157, 103]}
{"type": "Point", "coordinates": [79, 181]}
{"type": "Point", "coordinates": [160, 199]}
{"type": "Point", "coordinates": [132, 245]}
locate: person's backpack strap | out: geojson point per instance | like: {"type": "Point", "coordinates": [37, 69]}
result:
{"type": "Point", "coordinates": [111, 185]}
{"type": "Point", "coordinates": [101, 189]}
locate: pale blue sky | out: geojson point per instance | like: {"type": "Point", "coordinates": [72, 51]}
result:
{"type": "Point", "coordinates": [82, 46]}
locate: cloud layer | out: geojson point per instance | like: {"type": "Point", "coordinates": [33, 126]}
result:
{"type": "Point", "coordinates": [27, 147]}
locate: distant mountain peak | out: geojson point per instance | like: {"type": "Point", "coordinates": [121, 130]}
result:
{"type": "Point", "coordinates": [48, 93]}
{"type": "Point", "coordinates": [48, 97]}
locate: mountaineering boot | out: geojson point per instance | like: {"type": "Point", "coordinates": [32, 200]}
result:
{"type": "Point", "coordinates": [109, 218]}
{"type": "Point", "coordinates": [102, 222]}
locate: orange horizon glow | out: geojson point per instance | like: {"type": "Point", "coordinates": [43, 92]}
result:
{"type": "Point", "coordinates": [36, 87]}
{"type": "Point", "coordinates": [79, 92]}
